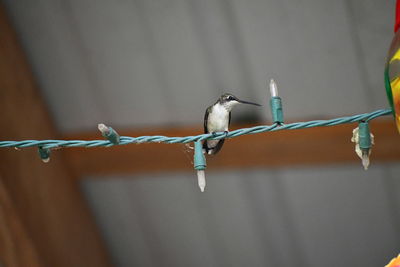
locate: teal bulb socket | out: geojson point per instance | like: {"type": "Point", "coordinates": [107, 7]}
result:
{"type": "Point", "coordinates": [199, 159]}
{"type": "Point", "coordinates": [276, 109]}
{"type": "Point", "coordinates": [112, 136]}
{"type": "Point", "coordinates": [44, 154]}
{"type": "Point", "coordinates": [364, 136]}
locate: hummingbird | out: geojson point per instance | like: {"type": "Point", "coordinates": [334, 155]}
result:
{"type": "Point", "coordinates": [217, 119]}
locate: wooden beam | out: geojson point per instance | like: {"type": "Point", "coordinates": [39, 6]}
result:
{"type": "Point", "coordinates": [44, 219]}
{"type": "Point", "coordinates": [16, 248]}
{"type": "Point", "coordinates": [314, 146]}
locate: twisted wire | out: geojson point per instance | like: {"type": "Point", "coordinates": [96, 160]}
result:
{"type": "Point", "coordinates": [124, 140]}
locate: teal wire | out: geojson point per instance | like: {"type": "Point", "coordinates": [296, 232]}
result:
{"type": "Point", "coordinates": [124, 140]}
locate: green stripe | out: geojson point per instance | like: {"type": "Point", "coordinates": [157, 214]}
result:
{"type": "Point", "coordinates": [388, 88]}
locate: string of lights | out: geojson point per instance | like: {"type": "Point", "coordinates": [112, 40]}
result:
{"type": "Point", "coordinates": [110, 134]}
{"type": "Point", "coordinates": [362, 137]}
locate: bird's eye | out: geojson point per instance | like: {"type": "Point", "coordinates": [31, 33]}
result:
{"type": "Point", "coordinates": [230, 98]}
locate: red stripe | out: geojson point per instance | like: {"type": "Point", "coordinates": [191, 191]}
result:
{"type": "Point", "coordinates": [397, 24]}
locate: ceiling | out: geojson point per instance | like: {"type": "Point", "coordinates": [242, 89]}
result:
{"type": "Point", "coordinates": [144, 63]}
{"type": "Point", "coordinates": [148, 63]}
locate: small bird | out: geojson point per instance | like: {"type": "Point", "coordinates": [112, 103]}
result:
{"type": "Point", "coordinates": [217, 119]}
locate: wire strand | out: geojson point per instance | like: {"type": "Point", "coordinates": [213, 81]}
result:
{"type": "Point", "coordinates": [124, 140]}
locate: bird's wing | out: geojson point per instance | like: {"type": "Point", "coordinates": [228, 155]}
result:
{"type": "Point", "coordinates": [206, 119]}
{"type": "Point", "coordinates": [205, 129]}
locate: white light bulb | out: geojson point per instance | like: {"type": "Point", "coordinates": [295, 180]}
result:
{"type": "Point", "coordinates": [273, 88]}
{"type": "Point", "coordinates": [365, 161]}
{"type": "Point", "coordinates": [103, 129]}
{"type": "Point", "coordinates": [201, 179]}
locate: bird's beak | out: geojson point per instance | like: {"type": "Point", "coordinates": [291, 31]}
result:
{"type": "Point", "coordinates": [247, 102]}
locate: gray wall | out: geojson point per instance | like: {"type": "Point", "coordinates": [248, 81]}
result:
{"type": "Point", "coordinates": [337, 216]}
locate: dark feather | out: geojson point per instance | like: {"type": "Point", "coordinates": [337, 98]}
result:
{"type": "Point", "coordinates": [214, 150]}
{"type": "Point", "coordinates": [206, 130]}
{"type": "Point", "coordinates": [206, 119]}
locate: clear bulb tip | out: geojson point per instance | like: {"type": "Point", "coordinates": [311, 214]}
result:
{"type": "Point", "coordinates": [365, 161]}
{"type": "Point", "coordinates": [102, 128]}
{"type": "Point", "coordinates": [273, 88]}
{"type": "Point", "coordinates": [201, 179]}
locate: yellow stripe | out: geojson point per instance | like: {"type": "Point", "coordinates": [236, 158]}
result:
{"type": "Point", "coordinates": [396, 56]}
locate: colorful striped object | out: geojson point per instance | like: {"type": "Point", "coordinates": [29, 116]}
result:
{"type": "Point", "coordinates": [392, 71]}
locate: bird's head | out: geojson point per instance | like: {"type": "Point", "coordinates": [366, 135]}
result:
{"type": "Point", "coordinates": [229, 101]}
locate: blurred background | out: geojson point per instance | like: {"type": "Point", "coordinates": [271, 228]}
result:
{"type": "Point", "coordinates": [152, 67]}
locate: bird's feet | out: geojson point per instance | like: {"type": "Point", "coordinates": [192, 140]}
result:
{"type": "Point", "coordinates": [214, 134]}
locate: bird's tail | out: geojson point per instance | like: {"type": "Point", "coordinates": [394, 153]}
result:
{"type": "Point", "coordinates": [212, 147]}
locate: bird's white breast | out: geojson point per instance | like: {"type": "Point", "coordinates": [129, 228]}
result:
{"type": "Point", "coordinates": [218, 119]}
